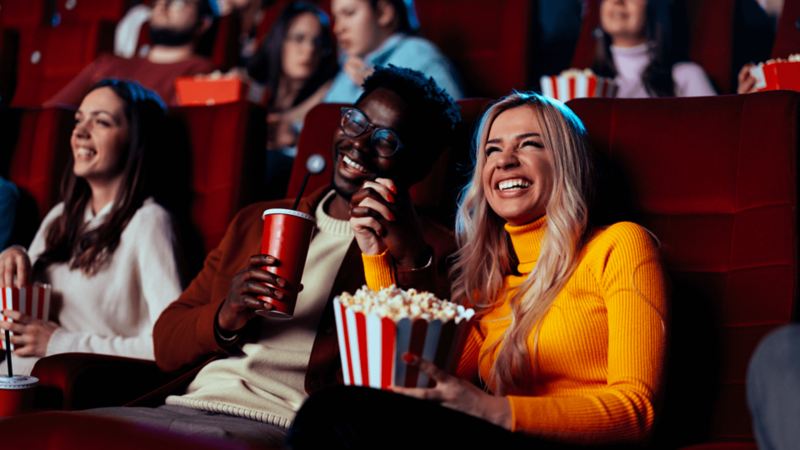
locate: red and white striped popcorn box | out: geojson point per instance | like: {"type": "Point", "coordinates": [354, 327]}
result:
{"type": "Point", "coordinates": [372, 347]}
{"type": "Point", "coordinates": [777, 74]}
{"type": "Point", "coordinates": [32, 300]}
{"type": "Point", "coordinates": [577, 84]}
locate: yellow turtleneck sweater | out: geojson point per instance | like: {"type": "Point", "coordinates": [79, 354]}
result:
{"type": "Point", "coordinates": [601, 346]}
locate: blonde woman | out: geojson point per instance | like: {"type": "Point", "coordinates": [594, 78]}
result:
{"type": "Point", "coordinates": [569, 345]}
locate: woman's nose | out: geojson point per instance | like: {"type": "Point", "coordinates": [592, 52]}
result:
{"type": "Point", "coordinates": [507, 159]}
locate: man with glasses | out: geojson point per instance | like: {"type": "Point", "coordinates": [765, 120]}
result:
{"type": "Point", "coordinates": [267, 367]}
{"type": "Point", "coordinates": [175, 27]}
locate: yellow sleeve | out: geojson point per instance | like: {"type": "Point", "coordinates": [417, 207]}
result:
{"type": "Point", "coordinates": [631, 282]}
{"type": "Point", "coordinates": [378, 270]}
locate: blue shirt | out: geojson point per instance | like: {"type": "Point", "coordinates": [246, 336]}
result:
{"type": "Point", "coordinates": [401, 50]}
{"type": "Point", "coordinates": [9, 194]}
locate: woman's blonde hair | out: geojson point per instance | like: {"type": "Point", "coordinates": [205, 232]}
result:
{"type": "Point", "coordinates": [485, 256]}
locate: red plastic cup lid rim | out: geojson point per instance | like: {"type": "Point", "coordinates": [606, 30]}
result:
{"type": "Point", "coordinates": [290, 212]}
{"type": "Point", "coordinates": [18, 382]}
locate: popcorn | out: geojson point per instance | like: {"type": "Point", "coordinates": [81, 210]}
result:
{"type": "Point", "coordinates": [576, 83]}
{"type": "Point", "coordinates": [375, 330]}
{"type": "Point", "coordinates": [397, 304]}
{"type": "Point", "coordinates": [779, 73]}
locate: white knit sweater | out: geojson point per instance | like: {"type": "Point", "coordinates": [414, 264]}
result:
{"type": "Point", "coordinates": [113, 311]}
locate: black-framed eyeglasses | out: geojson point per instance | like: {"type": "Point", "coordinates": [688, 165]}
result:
{"type": "Point", "coordinates": [354, 123]}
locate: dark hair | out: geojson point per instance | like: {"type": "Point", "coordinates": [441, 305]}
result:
{"type": "Point", "coordinates": [657, 76]}
{"type": "Point", "coordinates": [405, 13]}
{"type": "Point", "coordinates": [435, 114]}
{"type": "Point", "coordinates": [208, 8]}
{"type": "Point", "coordinates": [267, 64]}
{"type": "Point", "coordinates": [67, 240]}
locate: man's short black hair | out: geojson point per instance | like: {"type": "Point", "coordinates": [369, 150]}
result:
{"type": "Point", "coordinates": [436, 114]}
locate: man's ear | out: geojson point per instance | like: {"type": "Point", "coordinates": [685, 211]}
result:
{"type": "Point", "coordinates": [387, 15]}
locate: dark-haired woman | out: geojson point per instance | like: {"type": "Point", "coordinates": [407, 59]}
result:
{"type": "Point", "coordinates": [295, 63]}
{"type": "Point", "coordinates": [383, 32]}
{"type": "Point", "coordinates": [635, 50]}
{"type": "Point", "coordinates": [106, 249]}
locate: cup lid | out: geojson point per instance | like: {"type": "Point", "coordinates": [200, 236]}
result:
{"type": "Point", "coordinates": [290, 212]}
{"type": "Point", "coordinates": [18, 382]}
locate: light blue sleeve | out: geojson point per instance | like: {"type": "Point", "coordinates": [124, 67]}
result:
{"type": "Point", "coordinates": [419, 54]}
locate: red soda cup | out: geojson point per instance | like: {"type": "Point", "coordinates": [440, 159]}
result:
{"type": "Point", "coordinates": [286, 236]}
{"type": "Point", "coordinates": [16, 394]}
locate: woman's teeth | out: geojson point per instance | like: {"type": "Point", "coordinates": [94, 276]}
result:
{"type": "Point", "coordinates": [85, 153]}
{"type": "Point", "coordinates": [516, 183]}
{"type": "Point", "coordinates": [354, 164]}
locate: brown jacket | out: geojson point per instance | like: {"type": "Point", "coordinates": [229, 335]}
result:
{"type": "Point", "coordinates": [184, 333]}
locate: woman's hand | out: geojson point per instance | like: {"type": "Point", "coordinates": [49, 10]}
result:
{"type": "Point", "coordinates": [31, 336]}
{"type": "Point", "coordinates": [247, 285]}
{"type": "Point", "coordinates": [14, 262]}
{"type": "Point", "coordinates": [384, 219]}
{"type": "Point", "coordinates": [357, 69]}
{"type": "Point", "coordinates": [458, 394]}
{"type": "Point", "coordinates": [747, 82]}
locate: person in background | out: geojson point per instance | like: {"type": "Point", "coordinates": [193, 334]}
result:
{"type": "Point", "coordinates": [9, 196]}
{"type": "Point", "coordinates": [175, 28]}
{"type": "Point", "coordinates": [296, 63]}
{"type": "Point", "coordinates": [635, 51]}
{"type": "Point", "coordinates": [383, 32]}
{"type": "Point", "coordinates": [107, 248]}
{"type": "Point", "coordinates": [570, 337]}
{"type": "Point", "coordinates": [773, 389]}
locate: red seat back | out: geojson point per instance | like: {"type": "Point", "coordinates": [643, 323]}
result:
{"type": "Point", "coordinates": [37, 144]}
{"type": "Point", "coordinates": [24, 13]}
{"type": "Point", "coordinates": [488, 42]}
{"type": "Point", "coordinates": [584, 49]}
{"type": "Point", "coordinates": [787, 38]}
{"type": "Point", "coordinates": [83, 12]}
{"type": "Point", "coordinates": [50, 57]}
{"type": "Point", "coordinates": [715, 179]}
{"type": "Point", "coordinates": [224, 143]}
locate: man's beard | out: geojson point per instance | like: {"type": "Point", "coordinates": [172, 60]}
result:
{"type": "Point", "coordinates": [169, 37]}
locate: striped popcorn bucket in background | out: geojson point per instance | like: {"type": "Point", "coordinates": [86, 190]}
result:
{"type": "Point", "coordinates": [574, 84]}
{"type": "Point", "coordinates": [372, 347]}
{"type": "Point", "coordinates": [32, 300]}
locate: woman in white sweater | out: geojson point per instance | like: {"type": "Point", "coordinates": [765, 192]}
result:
{"type": "Point", "coordinates": [107, 248]}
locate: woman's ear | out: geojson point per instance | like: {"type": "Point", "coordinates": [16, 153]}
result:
{"type": "Point", "coordinates": [387, 15]}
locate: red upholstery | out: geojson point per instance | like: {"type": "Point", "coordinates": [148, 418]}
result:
{"type": "Point", "coordinates": [225, 142]}
{"type": "Point", "coordinates": [489, 42]}
{"type": "Point", "coordinates": [317, 137]}
{"type": "Point", "coordinates": [787, 37]}
{"type": "Point", "coordinates": [9, 49]}
{"type": "Point", "coordinates": [711, 37]}
{"type": "Point", "coordinates": [50, 57]}
{"type": "Point", "coordinates": [38, 144]}
{"type": "Point", "coordinates": [715, 179]}
{"type": "Point", "coordinates": [24, 13]}
{"type": "Point", "coordinates": [89, 11]}
{"type": "Point", "coordinates": [584, 49]}
{"type": "Point", "coordinates": [63, 431]}
{"type": "Point", "coordinates": [711, 40]}
{"type": "Point", "coordinates": [723, 446]}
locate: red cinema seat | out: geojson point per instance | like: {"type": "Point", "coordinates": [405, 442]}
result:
{"type": "Point", "coordinates": [715, 179]}
{"type": "Point", "coordinates": [89, 11]}
{"type": "Point", "coordinates": [585, 47]}
{"type": "Point", "coordinates": [50, 57]}
{"type": "Point", "coordinates": [225, 142]}
{"type": "Point", "coordinates": [787, 37]}
{"type": "Point", "coordinates": [488, 42]}
{"type": "Point", "coordinates": [9, 50]}
{"type": "Point", "coordinates": [37, 144]}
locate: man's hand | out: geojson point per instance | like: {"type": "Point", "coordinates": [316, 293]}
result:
{"type": "Point", "coordinates": [383, 218]}
{"type": "Point", "coordinates": [247, 285]}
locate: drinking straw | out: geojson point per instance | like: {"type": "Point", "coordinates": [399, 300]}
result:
{"type": "Point", "coordinates": [8, 354]}
{"type": "Point", "coordinates": [314, 165]}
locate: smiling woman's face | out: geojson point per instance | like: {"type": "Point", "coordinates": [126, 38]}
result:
{"type": "Point", "coordinates": [518, 172]}
{"type": "Point", "coordinates": [100, 136]}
